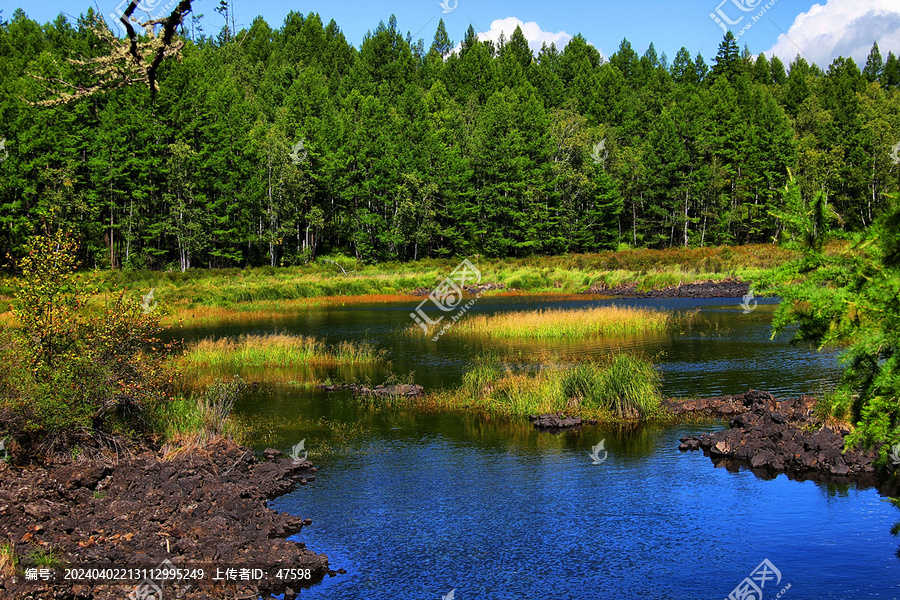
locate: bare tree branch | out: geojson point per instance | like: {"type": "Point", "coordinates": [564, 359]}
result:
{"type": "Point", "coordinates": [128, 61]}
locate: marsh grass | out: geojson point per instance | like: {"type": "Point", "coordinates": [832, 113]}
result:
{"type": "Point", "coordinates": [184, 313]}
{"type": "Point", "coordinates": [566, 324]}
{"type": "Point", "coordinates": [206, 296]}
{"type": "Point", "coordinates": [615, 388]}
{"type": "Point", "coordinates": [273, 351]}
{"type": "Point", "coordinates": [625, 385]}
{"type": "Point", "coordinates": [191, 422]}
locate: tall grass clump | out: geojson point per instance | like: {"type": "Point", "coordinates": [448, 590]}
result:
{"type": "Point", "coordinates": [567, 324]}
{"type": "Point", "coordinates": [194, 421]}
{"type": "Point", "coordinates": [9, 560]}
{"type": "Point", "coordinates": [627, 385]}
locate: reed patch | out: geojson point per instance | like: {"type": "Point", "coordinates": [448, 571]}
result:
{"type": "Point", "coordinates": [566, 324]}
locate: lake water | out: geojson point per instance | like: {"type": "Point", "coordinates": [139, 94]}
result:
{"type": "Point", "coordinates": [415, 505]}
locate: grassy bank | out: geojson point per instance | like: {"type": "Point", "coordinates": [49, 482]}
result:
{"type": "Point", "coordinates": [564, 324]}
{"type": "Point", "coordinates": [616, 388]}
{"type": "Point", "coordinates": [238, 294]}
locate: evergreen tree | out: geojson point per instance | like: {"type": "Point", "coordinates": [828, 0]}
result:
{"type": "Point", "coordinates": [890, 75]}
{"type": "Point", "coordinates": [441, 44]}
{"type": "Point", "coordinates": [728, 59]}
{"type": "Point", "coordinates": [874, 64]}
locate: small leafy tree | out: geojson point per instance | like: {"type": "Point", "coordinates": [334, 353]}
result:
{"type": "Point", "coordinates": [77, 371]}
{"type": "Point", "coordinates": [805, 224]}
{"type": "Point", "coordinates": [852, 297]}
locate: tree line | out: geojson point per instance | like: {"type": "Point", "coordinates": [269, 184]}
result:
{"type": "Point", "coordinates": [271, 146]}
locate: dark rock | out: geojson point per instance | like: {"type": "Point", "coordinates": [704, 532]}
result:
{"type": "Point", "coordinates": [271, 453]}
{"type": "Point", "coordinates": [551, 421]}
{"type": "Point", "coordinates": [403, 389]}
{"type": "Point", "coordinates": [689, 443]}
{"type": "Point", "coordinates": [776, 437]}
{"type": "Point", "coordinates": [716, 407]}
{"type": "Point", "coordinates": [728, 288]}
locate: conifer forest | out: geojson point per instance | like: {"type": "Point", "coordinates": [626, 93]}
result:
{"type": "Point", "coordinates": [280, 142]}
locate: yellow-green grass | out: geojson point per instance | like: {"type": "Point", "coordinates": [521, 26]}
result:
{"type": "Point", "coordinates": [615, 388]}
{"type": "Point", "coordinates": [565, 324]}
{"type": "Point", "coordinates": [213, 295]}
{"type": "Point", "coordinates": [275, 351]}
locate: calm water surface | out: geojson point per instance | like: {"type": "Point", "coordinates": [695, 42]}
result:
{"type": "Point", "coordinates": [418, 505]}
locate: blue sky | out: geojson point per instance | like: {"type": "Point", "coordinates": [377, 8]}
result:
{"type": "Point", "coordinates": [820, 31]}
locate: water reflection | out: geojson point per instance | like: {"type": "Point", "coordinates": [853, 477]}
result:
{"type": "Point", "coordinates": [414, 504]}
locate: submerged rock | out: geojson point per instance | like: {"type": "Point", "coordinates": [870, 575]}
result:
{"type": "Point", "coordinates": [402, 389]}
{"type": "Point", "coordinates": [558, 421]}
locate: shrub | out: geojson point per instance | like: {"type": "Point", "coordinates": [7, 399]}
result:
{"type": "Point", "coordinates": [75, 372]}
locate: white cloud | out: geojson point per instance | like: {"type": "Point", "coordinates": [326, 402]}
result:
{"type": "Point", "coordinates": [841, 28]}
{"type": "Point", "coordinates": [532, 31]}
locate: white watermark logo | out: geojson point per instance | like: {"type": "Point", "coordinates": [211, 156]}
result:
{"type": "Point", "coordinates": [450, 595]}
{"type": "Point", "coordinates": [146, 306]}
{"type": "Point", "coordinates": [724, 21]}
{"type": "Point", "coordinates": [751, 587]}
{"type": "Point", "coordinates": [895, 154]}
{"type": "Point", "coordinates": [4, 153]}
{"type": "Point", "coordinates": [152, 8]}
{"type": "Point", "coordinates": [895, 453]}
{"type": "Point", "coordinates": [445, 4]}
{"type": "Point", "coordinates": [749, 303]}
{"type": "Point", "coordinates": [150, 589]}
{"type": "Point", "coordinates": [298, 153]}
{"type": "Point", "coordinates": [447, 297]}
{"type": "Point", "coordinates": [600, 152]}
{"type": "Point", "coordinates": [295, 452]}
{"type": "Point", "coordinates": [595, 453]}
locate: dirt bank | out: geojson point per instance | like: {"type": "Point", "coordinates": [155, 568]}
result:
{"type": "Point", "coordinates": [201, 510]}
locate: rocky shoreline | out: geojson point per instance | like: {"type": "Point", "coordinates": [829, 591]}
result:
{"type": "Point", "coordinates": [775, 436]}
{"type": "Point", "coordinates": [727, 288]}
{"type": "Point", "coordinates": [205, 509]}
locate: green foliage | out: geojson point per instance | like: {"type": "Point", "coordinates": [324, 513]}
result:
{"type": "Point", "coordinates": [852, 297]}
{"type": "Point", "coordinates": [76, 371]}
{"type": "Point", "coordinates": [806, 224]}
{"type": "Point", "coordinates": [44, 557]}
{"type": "Point", "coordinates": [409, 155]}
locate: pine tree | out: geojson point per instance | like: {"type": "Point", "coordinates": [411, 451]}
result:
{"type": "Point", "coordinates": [890, 75]}
{"type": "Point", "coordinates": [728, 59]}
{"type": "Point", "coordinates": [874, 64]}
{"type": "Point", "coordinates": [441, 44]}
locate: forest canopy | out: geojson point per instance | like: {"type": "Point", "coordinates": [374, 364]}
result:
{"type": "Point", "coordinates": [269, 146]}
